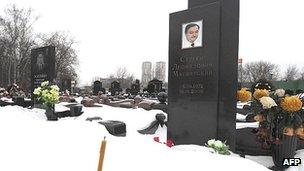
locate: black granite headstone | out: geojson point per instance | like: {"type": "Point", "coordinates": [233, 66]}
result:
{"type": "Point", "coordinates": [115, 88]}
{"type": "Point", "coordinates": [66, 85]}
{"type": "Point", "coordinates": [151, 88]}
{"type": "Point", "coordinates": [97, 87]}
{"type": "Point", "coordinates": [202, 79]}
{"type": "Point", "coordinates": [42, 65]}
{"type": "Point", "coordinates": [154, 86]}
{"type": "Point", "coordinates": [135, 88]}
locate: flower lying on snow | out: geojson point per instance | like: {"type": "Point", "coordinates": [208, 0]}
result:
{"type": "Point", "coordinates": [218, 146]}
{"type": "Point", "coordinates": [169, 142]}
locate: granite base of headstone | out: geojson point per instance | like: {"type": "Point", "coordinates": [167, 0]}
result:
{"type": "Point", "coordinates": [76, 110]}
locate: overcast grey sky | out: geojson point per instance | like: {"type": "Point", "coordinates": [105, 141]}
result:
{"type": "Point", "coordinates": [127, 32]}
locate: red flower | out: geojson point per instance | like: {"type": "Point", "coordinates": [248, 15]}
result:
{"type": "Point", "coordinates": [169, 143]}
{"type": "Point", "coordinates": [156, 139]}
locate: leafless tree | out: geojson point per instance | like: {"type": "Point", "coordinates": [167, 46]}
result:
{"type": "Point", "coordinates": [66, 57]}
{"type": "Point", "coordinates": [254, 71]}
{"type": "Point", "coordinates": [123, 76]}
{"type": "Point", "coordinates": [121, 73]}
{"type": "Point", "coordinates": [17, 38]}
{"type": "Point", "coordinates": [16, 41]}
{"type": "Point", "coordinates": [291, 73]}
{"type": "Point", "coordinates": [301, 75]}
{"type": "Point", "coordinates": [241, 73]}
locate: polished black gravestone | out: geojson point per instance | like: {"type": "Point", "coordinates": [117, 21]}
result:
{"type": "Point", "coordinates": [42, 65]}
{"type": "Point", "coordinates": [135, 88]}
{"type": "Point", "coordinates": [154, 86]}
{"type": "Point", "coordinates": [202, 79]}
{"type": "Point", "coordinates": [115, 88]}
{"type": "Point", "coordinates": [66, 85]}
{"type": "Point", "coordinates": [158, 85]}
{"type": "Point", "coordinates": [97, 87]}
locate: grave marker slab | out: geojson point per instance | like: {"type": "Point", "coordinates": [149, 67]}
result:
{"type": "Point", "coordinates": [202, 75]}
{"type": "Point", "coordinates": [42, 65]}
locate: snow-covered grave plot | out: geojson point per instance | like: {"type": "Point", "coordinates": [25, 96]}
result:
{"type": "Point", "coordinates": [29, 142]}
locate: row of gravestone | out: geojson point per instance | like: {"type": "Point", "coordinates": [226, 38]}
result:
{"type": "Point", "coordinates": [154, 87]}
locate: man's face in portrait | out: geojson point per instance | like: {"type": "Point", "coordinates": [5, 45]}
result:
{"type": "Point", "coordinates": [40, 62]}
{"type": "Point", "coordinates": [192, 34]}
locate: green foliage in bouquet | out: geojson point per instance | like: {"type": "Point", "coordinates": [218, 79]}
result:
{"type": "Point", "coordinates": [47, 94]}
{"type": "Point", "coordinates": [218, 146]}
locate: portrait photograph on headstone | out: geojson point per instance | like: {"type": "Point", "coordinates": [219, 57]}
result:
{"type": "Point", "coordinates": [192, 34]}
{"type": "Point", "coordinates": [40, 62]}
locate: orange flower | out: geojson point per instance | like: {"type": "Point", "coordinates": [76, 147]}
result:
{"type": "Point", "coordinates": [300, 132]}
{"type": "Point", "coordinates": [243, 95]}
{"type": "Point", "coordinates": [259, 118]}
{"type": "Point", "coordinates": [288, 131]}
{"type": "Point", "coordinates": [291, 104]}
{"type": "Point", "coordinates": [258, 93]}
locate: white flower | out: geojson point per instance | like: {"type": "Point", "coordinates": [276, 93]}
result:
{"type": "Point", "coordinates": [211, 142]}
{"type": "Point", "coordinates": [279, 92]}
{"type": "Point", "coordinates": [37, 91]}
{"type": "Point", "coordinates": [267, 102]}
{"type": "Point", "coordinates": [44, 83]}
{"type": "Point", "coordinates": [55, 87]}
{"type": "Point", "coordinates": [218, 144]}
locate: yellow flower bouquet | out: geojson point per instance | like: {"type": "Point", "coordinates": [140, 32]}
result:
{"type": "Point", "coordinates": [47, 94]}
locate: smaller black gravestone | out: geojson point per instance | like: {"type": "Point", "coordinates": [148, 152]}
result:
{"type": "Point", "coordinates": [66, 85]}
{"type": "Point", "coordinates": [155, 86]}
{"type": "Point", "coordinates": [97, 87]}
{"type": "Point", "coordinates": [151, 88]}
{"type": "Point", "coordinates": [135, 88]}
{"type": "Point", "coordinates": [42, 65]}
{"type": "Point", "coordinates": [115, 88]}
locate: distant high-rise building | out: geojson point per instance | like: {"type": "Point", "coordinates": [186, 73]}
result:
{"type": "Point", "coordinates": [160, 71]}
{"type": "Point", "coordinates": [146, 73]}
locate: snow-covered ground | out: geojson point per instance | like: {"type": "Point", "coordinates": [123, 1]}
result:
{"type": "Point", "coordinates": [28, 142]}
